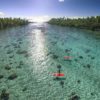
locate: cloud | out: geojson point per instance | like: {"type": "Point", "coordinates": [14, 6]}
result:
{"type": "Point", "coordinates": [2, 14]}
{"type": "Point", "coordinates": [38, 18]}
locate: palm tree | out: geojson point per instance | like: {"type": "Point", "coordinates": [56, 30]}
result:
{"type": "Point", "coordinates": [9, 22]}
{"type": "Point", "coordinates": [92, 22]}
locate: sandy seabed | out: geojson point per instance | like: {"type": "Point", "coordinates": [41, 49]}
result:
{"type": "Point", "coordinates": [29, 55]}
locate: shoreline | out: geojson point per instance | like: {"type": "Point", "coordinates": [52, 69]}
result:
{"type": "Point", "coordinates": [11, 22]}
{"type": "Point", "coordinates": [90, 23]}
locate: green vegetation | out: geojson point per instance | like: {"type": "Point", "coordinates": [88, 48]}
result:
{"type": "Point", "coordinates": [10, 22]}
{"type": "Point", "coordinates": [92, 23]}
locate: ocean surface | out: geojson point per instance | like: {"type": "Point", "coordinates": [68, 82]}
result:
{"type": "Point", "coordinates": [29, 56]}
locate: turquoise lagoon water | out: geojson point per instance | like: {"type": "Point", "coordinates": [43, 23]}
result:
{"type": "Point", "coordinates": [32, 53]}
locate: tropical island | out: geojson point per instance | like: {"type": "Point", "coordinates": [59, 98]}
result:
{"type": "Point", "coordinates": [91, 23]}
{"type": "Point", "coordinates": [10, 22]}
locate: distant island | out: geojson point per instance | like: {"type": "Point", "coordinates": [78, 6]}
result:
{"type": "Point", "coordinates": [10, 22]}
{"type": "Point", "coordinates": [92, 23]}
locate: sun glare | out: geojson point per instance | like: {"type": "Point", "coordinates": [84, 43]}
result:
{"type": "Point", "coordinates": [61, 0]}
{"type": "Point", "coordinates": [39, 19]}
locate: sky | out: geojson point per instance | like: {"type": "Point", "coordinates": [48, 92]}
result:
{"type": "Point", "coordinates": [44, 9]}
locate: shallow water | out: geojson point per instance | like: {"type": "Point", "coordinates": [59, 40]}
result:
{"type": "Point", "coordinates": [33, 52]}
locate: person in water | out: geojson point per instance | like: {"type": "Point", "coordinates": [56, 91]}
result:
{"type": "Point", "coordinates": [62, 83]}
{"type": "Point", "coordinates": [59, 69]}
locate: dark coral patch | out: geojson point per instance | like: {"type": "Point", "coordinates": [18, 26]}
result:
{"type": "Point", "coordinates": [4, 95]}
{"type": "Point", "coordinates": [12, 76]}
{"type": "Point", "coordinates": [55, 56]}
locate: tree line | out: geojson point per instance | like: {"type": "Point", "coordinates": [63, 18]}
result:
{"type": "Point", "coordinates": [10, 22]}
{"type": "Point", "coordinates": [92, 23]}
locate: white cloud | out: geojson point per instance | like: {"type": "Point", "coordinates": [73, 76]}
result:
{"type": "Point", "coordinates": [38, 18]}
{"type": "Point", "coordinates": [2, 14]}
{"type": "Point", "coordinates": [61, 0]}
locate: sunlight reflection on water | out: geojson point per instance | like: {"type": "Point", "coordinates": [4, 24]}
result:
{"type": "Point", "coordinates": [39, 52]}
